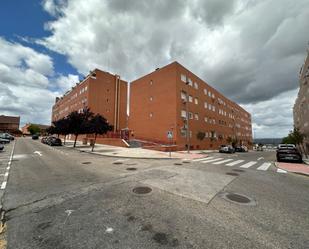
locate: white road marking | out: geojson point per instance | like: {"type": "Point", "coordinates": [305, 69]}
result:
{"type": "Point", "coordinates": [260, 158]}
{"type": "Point", "coordinates": [38, 152]}
{"type": "Point", "coordinates": [6, 174]}
{"type": "Point", "coordinates": [247, 165]}
{"type": "Point", "coordinates": [8, 168]}
{"type": "Point", "coordinates": [3, 185]}
{"type": "Point", "coordinates": [281, 171]}
{"type": "Point", "coordinates": [109, 230]}
{"type": "Point", "coordinates": [234, 163]}
{"type": "Point", "coordinates": [212, 160]}
{"type": "Point", "coordinates": [264, 166]}
{"type": "Point", "coordinates": [224, 161]}
{"type": "Point", "coordinates": [202, 159]}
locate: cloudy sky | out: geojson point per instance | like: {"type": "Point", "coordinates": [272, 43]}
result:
{"type": "Point", "coordinates": [250, 50]}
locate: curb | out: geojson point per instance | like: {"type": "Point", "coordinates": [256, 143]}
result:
{"type": "Point", "coordinates": [126, 157]}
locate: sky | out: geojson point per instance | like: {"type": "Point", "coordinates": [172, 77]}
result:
{"type": "Point", "coordinates": [249, 50]}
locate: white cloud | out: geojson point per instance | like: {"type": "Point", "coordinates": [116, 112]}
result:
{"type": "Point", "coordinates": [25, 79]}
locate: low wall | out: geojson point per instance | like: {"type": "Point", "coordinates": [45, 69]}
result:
{"type": "Point", "coordinates": [112, 141]}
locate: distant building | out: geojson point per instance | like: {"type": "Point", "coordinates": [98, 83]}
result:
{"type": "Point", "coordinates": [301, 106]}
{"type": "Point", "coordinates": [102, 92]}
{"type": "Point", "coordinates": [173, 100]}
{"type": "Point", "coordinates": [9, 124]}
{"type": "Point", "coordinates": [25, 131]}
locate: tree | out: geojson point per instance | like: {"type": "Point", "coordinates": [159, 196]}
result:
{"type": "Point", "coordinates": [200, 135]}
{"type": "Point", "coordinates": [78, 123]}
{"type": "Point", "coordinates": [33, 129]}
{"type": "Point", "coordinates": [98, 125]}
{"type": "Point", "coordinates": [229, 140]}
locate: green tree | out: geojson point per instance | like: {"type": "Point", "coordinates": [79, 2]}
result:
{"type": "Point", "coordinates": [33, 129]}
{"type": "Point", "coordinates": [98, 125]}
{"type": "Point", "coordinates": [79, 123]}
{"type": "Point", "coordinates": [229, 140]}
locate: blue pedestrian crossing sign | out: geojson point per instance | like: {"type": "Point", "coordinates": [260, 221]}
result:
{"type": "Point", "coordinates": [169, 134]}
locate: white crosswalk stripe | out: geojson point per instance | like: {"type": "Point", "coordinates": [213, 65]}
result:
{"type": "Point", "coordinates": [203, 159]}
{"type": "Point", "coordinates": [249, 164]}
{"type": "Point", "coordinates": [235, 162]}
{"type": "Point", "coordinates": [212, 160]}
{"type": "Point", "coordinates": [224, 161]}
{"type": "Point", "coordinates": [264, 166]}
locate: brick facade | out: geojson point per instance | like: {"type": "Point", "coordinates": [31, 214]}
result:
{"type": "Point", "coordinates": [158, 104]}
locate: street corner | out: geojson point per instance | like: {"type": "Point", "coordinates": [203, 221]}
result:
{"type": "Point", "coordinates": [299, 168]}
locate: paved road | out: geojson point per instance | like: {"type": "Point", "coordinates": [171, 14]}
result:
{"type": "Point", "coordinates": [61, 198]}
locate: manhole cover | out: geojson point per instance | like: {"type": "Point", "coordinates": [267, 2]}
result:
{"type": "Point", "coordinates": [142, 190]}
{"type": "Point", "coordinates": [117, 162]}
{"type": "Point", "coordinates": [86, 162]}
{"type": "Point", "coordinates": [131, 168]}
{"type": "Point", "coordinates": [238, 198]}
{"type": "Point", "coordinates": [238, 170]}
{"type": "Point", "coordinates": [232, 174]}
{"type": "Point", "coordinates": [177, 163]}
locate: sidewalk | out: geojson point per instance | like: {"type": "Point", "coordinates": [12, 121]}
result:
{"type": "Point", "coordinates": [113, 151]}
{"type": "Point", "coordinates": [299, 168]}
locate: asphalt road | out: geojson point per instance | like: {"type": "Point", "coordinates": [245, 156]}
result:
{"type": "Point", "coordinates": [59, 198]}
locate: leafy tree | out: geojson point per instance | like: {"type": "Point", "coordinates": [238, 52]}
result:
{"type": "Point", "coordinates": [98, 125]}
{"type": "Point", "coordinates": [297, 138]}
{"type": "Point", "coordinates": [229, 140]}
{"type": "Point", "coordinates": [78, 123]}
{"type": "Point", "coordinates": [234, 142]}
{"type": "Point", "coordinates": [33, 129]}
{"type": "Point", "coordinates": [200, 135]}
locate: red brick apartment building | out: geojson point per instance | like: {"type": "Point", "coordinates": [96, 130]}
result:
{"type": "Point", "coordinates": [159, 102]}
{"type": "Point", "coordinates": [102, 92]}
{"type": "Point", "coordinates": [9, 124]}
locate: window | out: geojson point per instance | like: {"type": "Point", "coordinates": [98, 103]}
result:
{"type": "Point", "coordinates": [183, 78]}
{"type": "Point", "coordinates": [190, 82]}
{"type": "Point", "coordinates": [206, 119]}
{"type": "Point", "coordinates": [209, 106]}
{"type": "Point", "coordinates": [205, 105]}
{"type": "Point", "coordinates": [183, 114]}
{"type": "Point", "coordinates": [183, 95]}
{"type": "Point", "coordinates": [151, 82]}
{"type": "Point", "coordinates": [86, 88]}
{"type": "Point", "coordinates": [196, 116]}
{"type": "Point", "coordinates": [195, 85]}
{"type": "Point", "coordinates": [209, 93]}
{"type": "Point", "coordinates": [196, 101]}
{"type": "Point", "coordinates": [213, 96]}
{"type": "Point", "coordinates": [190, 98]}
{"type": "Point", "coordinates": [150, 115]}
{"type": "Point", "coordinates": [214, 108]}
{"type": "Point", "coordinates": [205, 91]}
{"type": "Point", "coordinates": [150, 98]}
{"type": "Point", "coordinates": [190, 115]}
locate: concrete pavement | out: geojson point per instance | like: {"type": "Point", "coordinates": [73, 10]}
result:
{"type": "Point", "coordinates": [69, 199]}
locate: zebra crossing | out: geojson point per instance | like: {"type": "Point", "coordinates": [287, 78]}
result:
{"type": "Point", "coordinates": [229, 162]}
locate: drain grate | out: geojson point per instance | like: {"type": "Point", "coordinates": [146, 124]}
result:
{"type": "Point", "coordinates": [232, 174]}
{"type": "Point", "coordinates": [86, 162]}
{"type": "Point", "coordinates": [117, 162]}
{"type": "Point", "coordinates": [142, 190]}
{"type": "Point", "coordinates": [239, 170]}
{"type": "Point", "coordinates": [185, 161]}
{"type": "Point", "coordinates": [177, 163]}
{"type": "Point", "coordinates": [131, 168]}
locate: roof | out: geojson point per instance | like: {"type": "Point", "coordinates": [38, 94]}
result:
{"type": "Point", "coordinates": [9, 119]}
{"type": "Point", "coordinates": [42, 127]}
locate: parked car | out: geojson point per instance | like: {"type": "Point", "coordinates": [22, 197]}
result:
{"type": "Point", "coordinates": [4, 141]}
{"type": "Point", "coordinates": [35, 137]}
{"type": "Point", "coordinates": [6, 136]}
{"type": "Point", "coordinates": [44, 140]}
{"type": "Point", "coordinates": [54, 141]}
{"type": "Point", "coordinates": [241, 149]}
{"type": "Point", "coordinates": [226, 149]}
{"type": "Point", "coordinates": [288, 152]}
{"type": "Point", "coordinates": [1, 147]}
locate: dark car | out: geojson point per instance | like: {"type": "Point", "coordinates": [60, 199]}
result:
{"type": "Point", "coordinates": [35, 137]}
{"type": "Point", "coordinates": [241, 149]}
{"type": "Point", "coordinates": [6, 136]}
{"type": "Point", "coordinates": [44, 140]}
{"type": "Point", "coordinates": [54, 141]}
{"type": "Point", "coordinates": [1, 147]}
{"type": "Point", "coordinates": [4, 141]}
{"type": "Point", "coordinates": [288, 152]}
{"type": "Point", "coordinates": [226, 149]}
